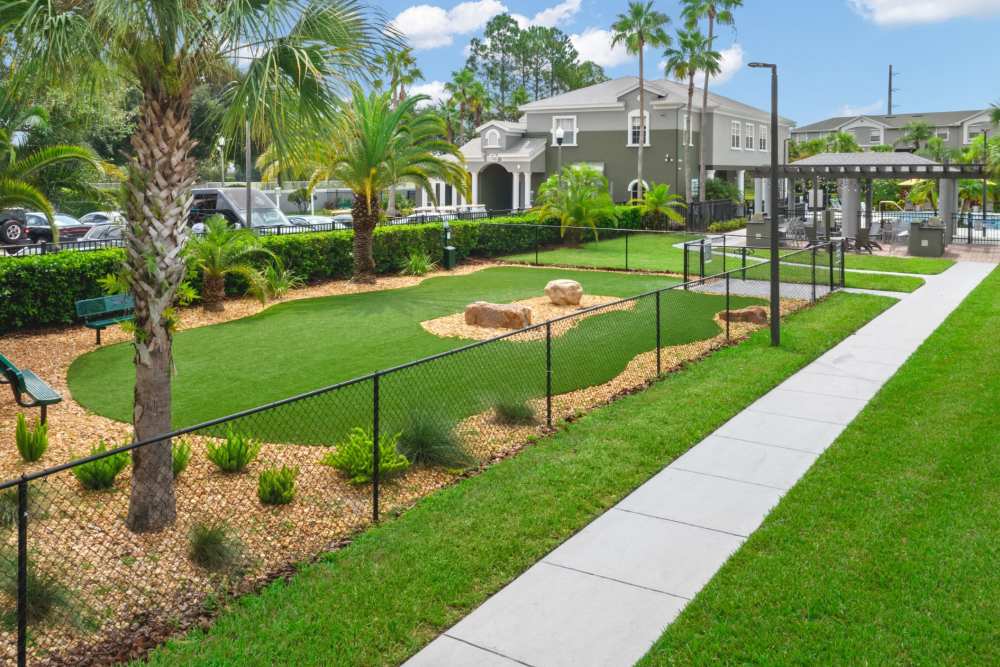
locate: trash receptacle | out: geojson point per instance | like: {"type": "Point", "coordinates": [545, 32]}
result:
{"type": "Point", "coordinates": [450, 257]}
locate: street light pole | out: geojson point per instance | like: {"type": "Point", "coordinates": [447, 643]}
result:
{"type": "Point", "coordinates": [986, 158]}
{"type": "Point", "coordinates": [775, 272]}
{"type": "Point", "coordinates": [249, 209]}
{"type": "Point", "coordinates": [221, 143]}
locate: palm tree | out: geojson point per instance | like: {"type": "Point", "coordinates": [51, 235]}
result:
{"type": "Point", "coordinates": [577, 197]}
{"type": "Point", "coordinates": [925, 192]}
{"type": "Point", "coordinates": [935, 149]}
{"type": "Point", "coordinates": [682, 63]}
{"type": "Point", "coordinates": [639, 26]}
{"type": "Point", "coordinates": [401, 68]}
{"type": "Point", "coordinates": [224, 251]}
{"type": "Point", "coordinates": [915, 132]}
{"type": "Point", "coordinates": [461, 89]}
{"type": "Point", "coordinates": [995, 113]}
{"type": "Point", "coordinates": [294, 57]}
{"type": "Point", "coordinates": [369, 147]}
{"type": "Point", "coordinates": [716, 11]}
{"type": "Point", "coordinates": [659, 204]}
{"type": "Point", "coordinates": [841, 142]}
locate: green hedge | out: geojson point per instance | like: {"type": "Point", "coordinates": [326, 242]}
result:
{"type": "Point", "coordinates": [727, 226]}
{"type": "Point", "coordinates": [41, 291]}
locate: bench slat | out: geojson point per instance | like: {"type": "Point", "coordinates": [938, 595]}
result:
{"type": "Point", "coordinates": [38, 389]}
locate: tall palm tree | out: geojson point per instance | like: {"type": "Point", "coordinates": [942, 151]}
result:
{"type": "Point", "coordinates": [639, 26]}
{"type": "Point", "coordinates": [716, 11]}
{"type": "Point", "coordinates": [401, 68]}
{"type": "Point", "coordinates": [935, 149]}
{"type": "Point", "coordinates": [461, 88]}
{"type": "Point", "coordinates": [691, 56]}
{"type": "Point", "coordinates": [370, 146]}
{"type": "Point", "coordinates": [294, 57]}
{"type": "Point", "coordinates": [916, 132]}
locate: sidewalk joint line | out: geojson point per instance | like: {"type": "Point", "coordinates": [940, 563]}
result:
{"type": "Point", "coordinates": [487, 650]}
{"type": "Point", "coordinates": [807, 419]}
{"type": "Point", "coordinates": [767, 444]}
{"type": "Point", "coordinates": [617, 581]}
{"type": "Point", "coordinates": [678, 521]}
{"type": "Point", "coordinates": [731, 479]}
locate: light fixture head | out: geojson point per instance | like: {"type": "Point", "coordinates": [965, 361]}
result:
{"type": "Point", "coordinates": [760, 65]}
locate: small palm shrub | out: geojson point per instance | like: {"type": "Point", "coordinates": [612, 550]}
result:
{"type": "Point", "coordinates": [212, 545]}
{"type": "Point", "coordinates": [276, 486]}
{"type": "Point", "coordinates": [513, 412]}
{"type": "Point", "coordinates": [45, 594]}
{"type": "Point", "coordinates": [353, 456]}
{"type": "Point", "coordinates": [181, 455]}
{"type": "Point", "coordinates": [234, 453]}
{"type": "Point", "coordinates": [31, 442]}
{"type": "Point", "coordinates": [279, 281]}
{"type": "Point", "coordinates": [100, 474]}
{"type": "Point", "coordinates": [418, 264]}
{"type": "Point", "coordinates": [427, 440]}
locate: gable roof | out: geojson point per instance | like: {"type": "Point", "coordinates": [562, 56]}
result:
{"type": "Point", "coordinates": [896, 120]}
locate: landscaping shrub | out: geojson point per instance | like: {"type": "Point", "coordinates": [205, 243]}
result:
{"type": "Point", "coordinates": [513, 412]}
{"type": "Point", "coordinates": [213, 547]}
{"type": "Point", "coordinates": [717, 188]}
{"type": "Point", "coordinates": [418, 264]}
{"type": "Point", "coordinates": [181, 455]}
{"type": "Point", "coordinates": [727, 226]}
{"type": "Point", "coordinates": [427, 440]}
{"type": "Point", "coordinates": [31, 443]}
{"type": "Point", "coordinates": [279, 281]}
{"type": "Point", "coordinates": [276, 486]}
{"type": "Point", "coordinates": [45, 594]}
{"type": "Point", "coordinates": [353, 456]}
{"type": "Point", "coordinates": [234, 453]}
{"type": "Point", "coordinates": [100, 474]}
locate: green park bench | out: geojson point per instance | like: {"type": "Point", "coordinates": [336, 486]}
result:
{"type": "Point", "coordinates": [24, 383]}
{"type": "Point", "coordinates": [102, 312]}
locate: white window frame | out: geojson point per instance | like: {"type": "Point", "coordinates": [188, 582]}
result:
{"type": "Point", "coordinates": [628, 128]}
{"type": "Point", "coordinates": [492, 133]}
{"type": "Point", "coordinates": [631, 186]}
{"type": "Point", "coordinates": [944, 134]}
{"type": "Point", "coordinates": [763, 138]}
{"type": "Point", "coordinates": [875, 137]}
{"type": "Point", "coordinates": [576, 130]}
{"type": "Point", "coordinates": [749, 137]}
{"type": "Point", "coordinates": [736, 135]}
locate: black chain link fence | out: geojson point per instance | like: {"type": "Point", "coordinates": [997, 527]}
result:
{"type": "Point", "coordinates": [78, 587]}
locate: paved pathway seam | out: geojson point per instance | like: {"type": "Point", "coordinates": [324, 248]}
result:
{"type": "Point", "coordinates": [605, 595]}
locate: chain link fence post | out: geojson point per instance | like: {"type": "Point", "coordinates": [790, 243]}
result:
{"type": "Point", "coordinates": [626, 250]}
{"type": "Point", "coordinates": [814, 274]}
{"type": "Point", "coordinates": [22, 572]}
{"type": "Point", "coordinates": [743, 263]}
{"type": "Point", "coordinates": [376, 452]}
{"type": "Point", "coordinates": [687, 270]}
{"type": "Point", "coordinates": [843, 262]}
{"type": "Point", "coordinates": [659, 362]}
{"type": "Point", "coordinates": [830, 249]}
{"type": "Point", "coordinates": [548, 374]}
{"type": "Point", "coordinates": [728, 314]}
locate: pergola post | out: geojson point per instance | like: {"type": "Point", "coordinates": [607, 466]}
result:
{"type": "Point", "coordinates": [947, 205]}
{"type": "Point", "coordinates": [850, 205]}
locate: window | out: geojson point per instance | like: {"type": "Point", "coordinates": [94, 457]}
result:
{"type": "Point", "coordinates": [568, 125]}
{"type": "Point", "coordinates": [633, 189]}
{"type": "Point", "coordinates": [874, 137]}
{"type": "Point", "coordinates": [762, 138]}
{"type": "Point", "coordinates": [491, 139]}
{"type": "Point", "coordinates": [748, 139]}
{"type": "Point", "coordinates": [735, 139]}
{"type": "Point", "coordinates": [634, 128]}
{"type": "Point", "coordinates": [943, 134]}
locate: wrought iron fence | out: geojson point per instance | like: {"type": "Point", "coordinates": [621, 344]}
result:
{"type": "Point", "coordinates": [702, 214]}
{"type": "Point", "coordinates": [74, 581]}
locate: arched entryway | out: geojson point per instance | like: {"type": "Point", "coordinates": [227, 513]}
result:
{"type": "Point", "coordinates": [633, 189]}
{"type": "Point", "coordinates": [496, 188]}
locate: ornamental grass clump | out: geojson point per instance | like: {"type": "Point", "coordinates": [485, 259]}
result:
{"type": "Point", "coordinates": [513, 412]}
{"type": "Point", "coordinates": [234, 453]}
{"type": "Point", "coordinates": [276, 486]}
{"type": "Point", "coordinates": [429, 441]}
{"type": "Point", "coordinates": [45, 594]}
{"type": "Point", "coordinates": [31, 442]}
{"type": "Point", "coordinates": [418, 264]}
{"type": "Point", "coordinates": [353, 456]}
{"type": "Point", "coordinates": [100, 474]}
{"type": "Point", "coordinates": [213, 547]}
{"type": "Point", "coordinates": [180, 455]}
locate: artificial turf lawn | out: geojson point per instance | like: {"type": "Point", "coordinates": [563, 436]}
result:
{"type": "Point", "coordinates": [886, 552]}
{"type": "Point", "coordinates": [391, 591]}
{"type": "Point", "coordinates": [303, 345]}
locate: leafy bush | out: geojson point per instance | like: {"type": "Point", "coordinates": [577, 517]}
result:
{"type": "Point", "coordinates": [213, 547]}
{"type": "Point", "coordinates": [727, 226]}
{"type": "Point", "coordinates": [514, 412]}
{"type": "Point", "coordinates": [276, 486]}
{"type": "Point", "coordinates": [717, 189]}
{"type": "Point", "coordinates": [418, 264]}
{"type": "Point", "coordinates": [45, 594]}
{"type": "Point", "coordinates": [31, 443]}
{"type": "Point", "coordinates": [354, 456]}
{"type": "Point", "coordinates": [234, 453]}
{"type": "Point", "coordinates": [100, 474]}
{"type": "Point", "coordinates": [181, 456]}
{"type": "Point", "coordinates": [427, 440]}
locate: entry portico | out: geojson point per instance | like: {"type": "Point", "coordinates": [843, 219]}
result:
{"type": "Point", "coordinates": [506, 168]}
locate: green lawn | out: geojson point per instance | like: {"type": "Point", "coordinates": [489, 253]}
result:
{"type": "Point", "coordinates": [886, 553]}
{"type": "Point", "coordinates": [382, 598]}
{"type": "Point", "coordinates": [866, 262]}
{"type": "Point", "coordinates": [304, 345]}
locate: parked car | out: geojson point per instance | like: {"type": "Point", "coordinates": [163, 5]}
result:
{"type": "Point", "coordinates": [325, 222]}
{"type": "Point", "coordinates": [231, 203]}
{"type": "Point", "coordinates": [102, 217]}
{"type": "Point", "coordinates": [13, 228]}
{"type": "Point", "coordinates": [107, 231]}
{"type": "Point", "coordinates": [39, 231]}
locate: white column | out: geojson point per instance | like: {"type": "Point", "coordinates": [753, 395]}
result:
{"type": "Point", "coordinates": [765, 195]}
{"type": "Point", "coordinates": [850, 205]}
{"type": "Point", "coordinates": [527, 190]}
{"type": "Point", "coordinates": [741, 183]}
{"type": "Point", "coordinates": [475, 188]}
{"type": "Point", "coordinates": [758, 195]}
{"type": "Point", "coordinates": [516, 179]}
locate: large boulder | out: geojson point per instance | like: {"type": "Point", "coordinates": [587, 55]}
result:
{"type": "Point", "coordinates": [564, 292]}
{"type": "Point", "coordinates": [751, 314]}
{"type": "Point", "coordinates": [498, 315]}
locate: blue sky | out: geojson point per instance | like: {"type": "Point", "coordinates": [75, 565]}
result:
{"type": "Point", "coordinates": [833, 54]}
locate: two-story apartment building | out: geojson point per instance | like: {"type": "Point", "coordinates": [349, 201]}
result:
{"type": "Point", "coordinates": [956, 128]}
{"type": "Point", "coordinates": [507, 162]}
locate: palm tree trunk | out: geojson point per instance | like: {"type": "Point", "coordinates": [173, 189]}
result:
{"type": "Point", "coordinates": [392, 202]}
{"type": "Point", "coordinates": [214, 293]}
{"type": "Point", "coordinates": [157, 202]}
{"type": "Point", "coordinates": [704, 105]}
{"type": "Point", "coordinates": [689, 140]}
{"type": "Point", "coordinates": [365, 218]}
{"type": "Point", "coordinates": [642, 119]}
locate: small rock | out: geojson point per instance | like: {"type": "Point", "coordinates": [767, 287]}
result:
{"type": "Point", "coordinates": [751, 314]}
{"type": "Point", "coordinates": [564, 292]}
{"type": "Point", "coordinates": [497, 315]}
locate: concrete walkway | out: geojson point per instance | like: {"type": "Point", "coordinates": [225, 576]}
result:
{"type": "Point", "coordinates": [606, 594]}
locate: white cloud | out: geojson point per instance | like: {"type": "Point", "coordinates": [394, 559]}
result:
{"type": "Point", "coordinates": [433, 89]}
{"type": "Point", "coordinates": [851, 110]}
{"type": "Point", "coordinates": [595, 44]}
{"type": "Point", "coordinates": [730, 63]}
{"type": "Point", "coordinates": [430, 26]}
{"type": "Point", "coordinates": [902, 12]}
{"type": "Point", "coordinates": [551, 17]}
